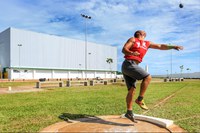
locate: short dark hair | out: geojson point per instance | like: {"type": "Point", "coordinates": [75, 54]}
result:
{"type": "Point", "coordinates": [139, 33]}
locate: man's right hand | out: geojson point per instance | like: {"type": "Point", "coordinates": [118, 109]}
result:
{"type": "Point", "coordinates": [135, 53]}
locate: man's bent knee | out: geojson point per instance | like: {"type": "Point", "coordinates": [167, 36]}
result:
{"type": "Point", "coordinates": [131, 90]}
{"type": "Point", "coordinates": [148, 78]}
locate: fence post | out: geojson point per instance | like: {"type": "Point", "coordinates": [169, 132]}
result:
{"type": "Point", "coordinates": [60, 84]}
{"type": "Point", "coordinates": [91, 82]}
{"type": "Point", "coordinates": [38, 85]}
{"type": "Point", "coordinates": [68, 83]}
{"type": "Point", "coordinates": [85, 83]}
{"type": "Point", "coordinates": [105, 82]}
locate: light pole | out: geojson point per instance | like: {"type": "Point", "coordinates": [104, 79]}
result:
{"type": "Point", "coordinates": [86, 18]}
{"type": "Point", "coordinates": [80, 70]}
{"type": "Point", "coordinates": [89, 58]}
{"type": "Point", "coordinates": [171, 62]}
{"type": "Point", "coordinates": [167, 73]}
{"type": "Point", "coordinates": [19, 45]}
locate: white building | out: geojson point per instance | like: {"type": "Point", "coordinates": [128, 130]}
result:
{"type": "Point", "coordinates": [31, 55]}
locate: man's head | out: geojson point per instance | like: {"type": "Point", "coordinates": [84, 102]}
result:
{"type": "Point", "coordinates": [139, 34]}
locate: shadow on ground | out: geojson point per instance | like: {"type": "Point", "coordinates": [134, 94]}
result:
{"type": "Point", "coordinates": [89, 119]}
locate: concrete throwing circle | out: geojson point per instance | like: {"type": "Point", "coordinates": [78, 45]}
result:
{"type": "Point", "coordinates": [107, 124]}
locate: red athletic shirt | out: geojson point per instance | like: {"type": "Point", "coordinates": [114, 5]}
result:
{"type": "Point", "coordinates": [141, 47]}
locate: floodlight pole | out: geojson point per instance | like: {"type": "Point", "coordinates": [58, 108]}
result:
{"type": "Point", "coordinates": [86, 18]}
{"type": "Point", "coordinates": [19, 45]}
{"type": "Point", "coordinates": [167, 74]}
{"type": "Point", "coordinates": [80, 70]}
{"type": "Point", "coordinates": [171, 63]}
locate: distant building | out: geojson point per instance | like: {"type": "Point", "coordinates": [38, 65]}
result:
{"type": "Point", "coordinates": [195, 75]}
{"type": "Point", "coordinates": [31, 55]}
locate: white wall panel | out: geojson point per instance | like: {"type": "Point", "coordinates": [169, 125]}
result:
{"type": "Point", "coordinates": [43, 74]}
{"type": "Point", "coordinates": [26, 74]}
{"type": "Point", "coordinates": [74, 74]}
{"type": "Point", "coordinates": [5, 49]}
{"type": "Point", "coordinates": [51, 53]}
{"type": "Point", "coordinates": [60, 74]}
{"type": "Point", "coordinates": [99, 54]}
{"type": "Point", "coordinates": [100, 74]}
{"type": "Point", "coordinates": [47, 51]}
{"type": "Point", "coordinates": [90, 74]}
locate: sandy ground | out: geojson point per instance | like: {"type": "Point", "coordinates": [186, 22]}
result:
{"type": "Point", "coordinates": [111, 123]}
{"type": "Point", "coordinates": [19, 89]}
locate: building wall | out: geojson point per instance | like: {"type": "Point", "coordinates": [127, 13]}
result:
{"type": "Point", "coordinates": [4, 49]}
{"type": "Point", "coordinates": [49, 56]}
{"type": "Point", "coordinates": [47, 51]}
{"type": "Point", "coordinates": [57, 74]}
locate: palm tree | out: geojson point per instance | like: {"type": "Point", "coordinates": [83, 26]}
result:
{"type": "Point", "coordinates": [188, 69]}
{"type": "Point", "coordinates": [181, 67]}
{"type": "Point", "coordinates": [109, 61]}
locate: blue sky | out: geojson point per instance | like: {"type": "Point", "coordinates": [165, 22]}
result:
{"type": "Point", "coordinates": [113, 22]}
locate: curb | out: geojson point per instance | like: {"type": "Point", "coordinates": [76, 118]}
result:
{"type": "Point", "coordinates": [158, 121]}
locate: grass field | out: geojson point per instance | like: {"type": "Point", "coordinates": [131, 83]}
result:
{"type": "Point", "coordinates": [33, 111]}
{"type": "Point", "coordinates": [14, 84]}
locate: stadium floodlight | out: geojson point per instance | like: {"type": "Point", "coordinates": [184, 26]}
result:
{"type": "Point", "coordinates": [86, 18]}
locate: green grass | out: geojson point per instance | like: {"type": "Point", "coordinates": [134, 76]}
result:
{"type": "Point", "coordinates": [33, 111]}
{"type": "Point", "coordinates": [183, 108]}
{"type": "Point", "coordinates": [14, 84]}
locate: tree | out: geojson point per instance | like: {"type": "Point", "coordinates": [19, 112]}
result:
{"type": "Point", "coordinates": [188, 69]}
{"type": "Point", "coordinates": [118, 72]}
{"type": "Point", "coordinates": [109, 61]}
{"type": "Point", "coordinates": [181, 67]}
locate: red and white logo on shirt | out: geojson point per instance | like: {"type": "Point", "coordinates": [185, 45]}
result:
{"type": "Point", "coordinates": [141, 46]}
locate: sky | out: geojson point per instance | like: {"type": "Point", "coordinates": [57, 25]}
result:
{"type": "Point", "coordinates": [113, 23]}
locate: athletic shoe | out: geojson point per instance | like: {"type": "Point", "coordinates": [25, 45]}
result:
{"type": "Point", "coordinates": [141, 104]}
{"type": "Point", "coordinates": [130, 117]}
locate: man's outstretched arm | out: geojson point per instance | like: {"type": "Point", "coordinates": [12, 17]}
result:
{"type": "Point", "coordinates": [165, 46]}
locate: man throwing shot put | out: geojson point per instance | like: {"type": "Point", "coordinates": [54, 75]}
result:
{"type": "Point", "coordinates": [134, 50]}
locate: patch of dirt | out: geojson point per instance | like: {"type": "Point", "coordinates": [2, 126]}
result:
{"type": "Point", "coordinates": [19, 89]}
{"type": "Point", "coordinates": [106, 124]}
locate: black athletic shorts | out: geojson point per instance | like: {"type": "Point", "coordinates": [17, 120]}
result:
{"type": "Point", "coordinates": [132, 72]}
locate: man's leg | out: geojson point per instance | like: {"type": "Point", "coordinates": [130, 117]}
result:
{"type": "Point", "coordinates": [129, 98]}
{"type": "Point", "coordinates": [143, 89]}
{"type": "Point", "coordinates": [144, 85]}
{"type": "Point", "coordinates": [129, 102]}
